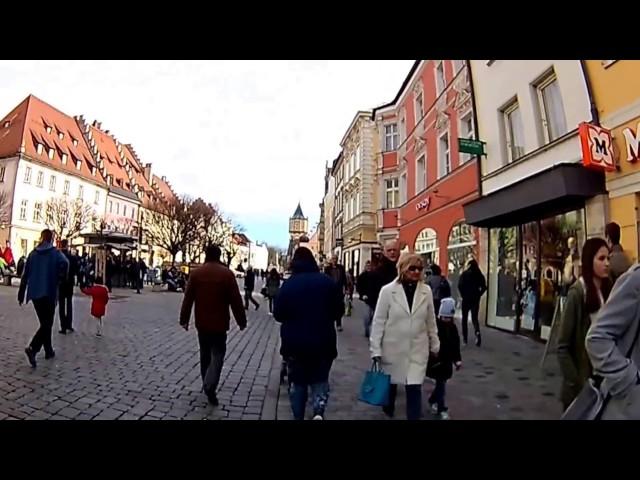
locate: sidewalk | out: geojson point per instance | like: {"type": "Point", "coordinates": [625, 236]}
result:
{"type": "Point", "coordinates": [501, 380]}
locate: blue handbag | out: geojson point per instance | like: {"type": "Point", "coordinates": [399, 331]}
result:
{"type": "Point", "coordinates": [375, 387]}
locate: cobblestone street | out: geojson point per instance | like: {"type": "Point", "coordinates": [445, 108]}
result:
{"type": "Point", "coordinates": [146, 367]}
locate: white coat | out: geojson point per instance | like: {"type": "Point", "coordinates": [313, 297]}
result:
{"type": "Point", "coordinates": [404, 337]}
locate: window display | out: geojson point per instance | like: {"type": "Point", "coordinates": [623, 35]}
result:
{"type": "Point", "coordinates": [427, 246]}
{"type": "Point", "coordinates": [503, 261]}
{"type": "Point", "coordinates": [461, 248]}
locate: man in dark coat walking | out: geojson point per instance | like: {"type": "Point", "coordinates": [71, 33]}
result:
{"type": "Point", "coordinates": [65, 292]}
{"type": "Point", "coordinates": [471, 286]}
{"type": "Point", "coordinates": [338, 274]}
{"type": "Point", "coordinates": [385, 273]}
{"type": "Point", "coordinates": [249, 286]}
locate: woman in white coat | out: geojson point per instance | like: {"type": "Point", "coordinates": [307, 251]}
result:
{"type": "Point", "coordinates": [404, 333]}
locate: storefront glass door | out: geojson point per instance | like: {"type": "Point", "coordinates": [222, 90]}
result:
{"type": "Point", "coordinates": [528, 288]}
{"type": "Point", "coordinates": [502, 278]}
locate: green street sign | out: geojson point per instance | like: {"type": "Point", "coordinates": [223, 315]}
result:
{"type": "Point", "coordinates": [474, 147]}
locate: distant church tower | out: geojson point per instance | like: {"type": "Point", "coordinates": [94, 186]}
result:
{"type": "Point", "coordinates": [298, 227]}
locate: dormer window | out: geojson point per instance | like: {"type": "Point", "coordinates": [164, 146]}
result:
{"type": "Point", "coordinates": [64, 158]}
{"type": "Point", "coordinates": [49, 129]}
{"type": "Point", "coordinates": [75, 142]}
{"type": "Point", "coordinates": [78, 165]}
{"type": "Point", "coordinates": [39, 148]}
{"type": "Point", "coordinates": [61, 135]}
{"type": "Point", "coordinates": [51, 152]}
{"type": "Point", "coordinates": [6, 124]}
{"type": "Point", "coordinates": [93, 171]}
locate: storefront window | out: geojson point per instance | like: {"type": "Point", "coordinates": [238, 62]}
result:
{"type": "Point", "coordinates": [461, 248]}
{"type": "Point", "coordinates": [561, 240]}
{"type": "Point", "coordinates": [529, 276]}
{"type": "Point", "coordinates": [427, 246]}
{"type": "Point", "coordinates": [503, 261]}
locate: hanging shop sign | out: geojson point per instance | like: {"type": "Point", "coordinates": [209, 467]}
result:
{"type": "Point", "coordinates": [423, 204]}
{"type": "Point", "coordinates": [597, 147]}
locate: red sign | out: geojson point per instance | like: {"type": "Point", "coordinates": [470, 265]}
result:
{"type": "Point", "coordinates": [424, 204]}
{"type": "Point", "coordinates": [597, 147]}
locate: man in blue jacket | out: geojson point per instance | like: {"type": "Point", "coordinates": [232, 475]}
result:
{"type": "Point", "coordinates": [46, 267]}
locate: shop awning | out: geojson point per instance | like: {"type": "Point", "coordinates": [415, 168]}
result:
{"type": "Point", "coordinates": [559, 189]}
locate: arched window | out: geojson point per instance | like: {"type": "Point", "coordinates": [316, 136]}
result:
{"type": "Point", "coordinates": [427, 246]}
{"type": "Point", "coordinates": [461, 247]}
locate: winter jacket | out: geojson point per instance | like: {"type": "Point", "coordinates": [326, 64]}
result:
{"type": "Point", "coordinates": [441, 367]}
{"type": "Point", "coordinates": [338, 274]}
{"type": "Point", "coordinates": [471, 285]}
{"type": "Point", "coordinates": [308, 305]}
{"type": "Point", "coordinates": [8, 256]}
{"type": "Point", "coordinates": [383, 275]}
{"type": "Point", "coordinates": [213, 289]}
{"type": "Point", "coordinates": [46, 267]}
{"type": "Point", "coordinates": [439, 287]}
{"type": "Point", "coordinates": [404, 336]}
{"type": "Point", "coordinates": [363, 283]}
{"type": "Point", "coordinates": [619, 262]}
{"type": "Point", "coordinates": [273, 286]}
{"type": "Point", "coordinates": [74, 268]}
{"type": "Point", "coordinates": [608, 342]}
{"type": "Point", "coordinates": [250, 281]}
{"type": "Point", "coordinates": [100, 297]}
{"type": "Point", "coordinates": [572, 353]}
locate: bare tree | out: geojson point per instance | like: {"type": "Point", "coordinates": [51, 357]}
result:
{"type": "Point", "coordinates": [68, 218]}
{"type": "Point", "coordinates": [5, 209]}
{"type": "Point", "coordinates": [212, 227]}
{"type": "Point", "coordinates": [173, 225]}
{"type": "Point", "coordinates": [231, 243]}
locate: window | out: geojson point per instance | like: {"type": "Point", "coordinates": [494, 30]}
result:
{"type": "Point", "coordinates": [390, 137]}
{"type": "Point", "coordinates": [40, 179]}
{"type": "Point", "coordinates": [357, 204]}
{"type": "Point", "coordinates": [124, 210]}
{"type": "Point", "coordinates": [421, 174]}
{"type": "Point", "coordinates": [80, 192]}
{"type": "Point", "coordinates": [133, 213]}
{"type": "Point", "coordinates": [358, 154]}
{"type": "Point", "coordinates": [37, 212]}
{"type": "Point", "coordinates": [439, 78]}
{"type": "Point", "coordinates": [49, 129]}
{"type": "Point", "coordinates": [78, 165]}
{"type": "Point", "coordinates": [514, 131]}
{"type": "Point", "coordinates": [444, 158]}
{"type": "Point", "coordinates": [52, 183]}
{"type": "Point", "coordinates": [61, 135]}
{"type": "Point", "coordinates": [49, 214]}
{"type": "Point", "coordinates": [403, 188]}
{"type": "Point", "coordinates": [117, 208]}
{"type": "Point", "coordinates": [457, 66]}
{"type": "Point", "coordinates": [6, 124]}
{"type": "Point", "coordinates": [392, 193]}
{"type": "Point", "coordinates": [75, 142]}
{"type": "Point", "coordinates": [403, 129]}
{"type": "Point", "coordinates": [419, 107]}
{"type": "Point", "coordinates": [23, 210]}
{"type": "Point", "coordinates": [2, 170]}
{"type": "Point", "coordinates": [554, 124]}
{"type": "Point", "coordinates": [27, 175]}
{"type": "Point", "coordinates": [39, 148]}
{"type": "Point", "coordinates": [67, 186]}
{"type": "Point", "coordinates": [23, 247]}
{"type": "Point", "coordinates": [96, 200]}
{"type": "Point", "coordinates": [64, 158]}
{"type": "Point", "coordinates": [110, 206]}
{"type": "Point", "coordinates": [51, 153]}
{"type": "Point", "coordinates": [466, 131]}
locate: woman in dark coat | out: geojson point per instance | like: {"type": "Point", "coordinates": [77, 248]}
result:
{"type": "Point", "coordinates": [471, 286]}
{"type": "Point", "coordinates": [273, 287]}
{"type": "Point", "coordinates": [308, 305]}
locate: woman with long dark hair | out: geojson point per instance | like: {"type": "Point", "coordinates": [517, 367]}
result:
{"type": "Point", "coordinates": [308, 305]}
{"type": "Point", "coordinates": [584, 299]}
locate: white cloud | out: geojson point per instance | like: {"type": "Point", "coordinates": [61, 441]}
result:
{"type": "Point", "coordinates": [253, 136]}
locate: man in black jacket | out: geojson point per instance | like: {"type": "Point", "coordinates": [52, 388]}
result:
{"type": "Point", "coordinates": [385, 273]}
{"type": "Point", "coordinates": [363, 285]}
{"type": "Point", "coordinates": [249, 285]}
{"type": "Point", "coordinates": [339, 275]}
{"type": "Point", "coordinates": [65, 293]}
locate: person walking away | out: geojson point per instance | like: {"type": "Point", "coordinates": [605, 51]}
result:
{"type": "Point", "coordinates": [249, 285]}
{"type": "Point", "coordinates": [619, 259]}
{"type": "Point", "coordinates": [404, 333]}
{"type": "Point", "coordinates": [45, 268]}
{"type": "Point", "coordinates": [109, 271]}
{"type": "Point", "coordinates": [99, 298]}
{"type": "Point", "coordinates": [613, 347]}
{"type": "Point", "coordinates": [471, 286]}
{"type": "Point", "coordinates": [65, 292]}
{"type": "Point", "coordinates": [338, 274]}
{"type": "Point", "coordinates": [363, 286]}
{"type": "Point", "coordinates": [213, 289]}
{"type": "Point", "coordinates": [273, 287]}
{"type": "Point", "coordinates": [448, 357]}
{"type": "Point", "coordinates": [440, 287]}
{"type": "Point", "coordinates": [349, 292]}
{"type": "Point", "coordinates": [21, 264]}
{"type": "Point", "coordinates": [584, 300]}
{"type": "Point", "coordinates": [308, 306]}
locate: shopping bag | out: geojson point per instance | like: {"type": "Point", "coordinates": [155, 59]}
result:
{"type": "Point", "coordinates": [375, 387]}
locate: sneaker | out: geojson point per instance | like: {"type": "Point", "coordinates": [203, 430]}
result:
{"type": "Point", "coordinates": [70, 330]}
{"type": "Point", "coordinates": [339, 329]}
{"type": "Point", "coordinates": [31, 355]}
{"type": "Point", "coordinates": [434, 409]}
{"type": "Point", "coordinates": [444, 415]}
{"type": "Point", "coordinates": [48, 356]}
{"type": "Point", "coordinates": [478, 340]}
{"type": "Point", "coordinates": [318, 417]}
{"type": "Point", "coordinates": [213, 399]}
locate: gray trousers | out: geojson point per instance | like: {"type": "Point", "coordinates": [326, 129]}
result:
{"type": "Point", "coordinates": [213, 347]}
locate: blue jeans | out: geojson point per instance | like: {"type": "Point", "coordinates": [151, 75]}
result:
{"type": "Point", "coordinates": [298, 397]}
{"type": "Point", "coordinates": [368, 319]}
{"type": "Point", "coordinates": [438, 394]}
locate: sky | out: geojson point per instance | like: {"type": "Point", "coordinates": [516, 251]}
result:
{"type": "Point", "coordinates": [251, 136]}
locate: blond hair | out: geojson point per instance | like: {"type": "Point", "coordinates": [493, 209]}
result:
{"type": "Point", "coordinates": [408, 260]}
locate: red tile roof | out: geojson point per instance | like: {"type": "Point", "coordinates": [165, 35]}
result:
{"type": "Point", "coordinates": [163, 188]}
{"type": "Point", "coordinates": [35, 122]}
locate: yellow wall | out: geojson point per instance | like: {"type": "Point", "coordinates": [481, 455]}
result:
{"type": "Point", "coordinates": [623, 212]}
{"type": "Point", "coordinates": [614, 87]}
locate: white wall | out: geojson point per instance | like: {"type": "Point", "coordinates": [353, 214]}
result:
{"type": "Point", "coordinates": [114, 213]}
{"type": "Point", "coordinates": [259, 256]}
{"type": "Point", "coordinates": [28, 229]}
{"type": "Point", "coordinates": [497, 84]}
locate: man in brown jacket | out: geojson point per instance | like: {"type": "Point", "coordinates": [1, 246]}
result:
{"type": "Point", "coordinates": [214, 289]}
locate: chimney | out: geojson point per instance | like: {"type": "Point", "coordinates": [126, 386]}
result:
{"type": "Point", "coordinates": [147, 171]}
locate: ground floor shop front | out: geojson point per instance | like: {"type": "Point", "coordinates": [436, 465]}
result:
{"type": "Point", "coordinates": [535, 230]}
